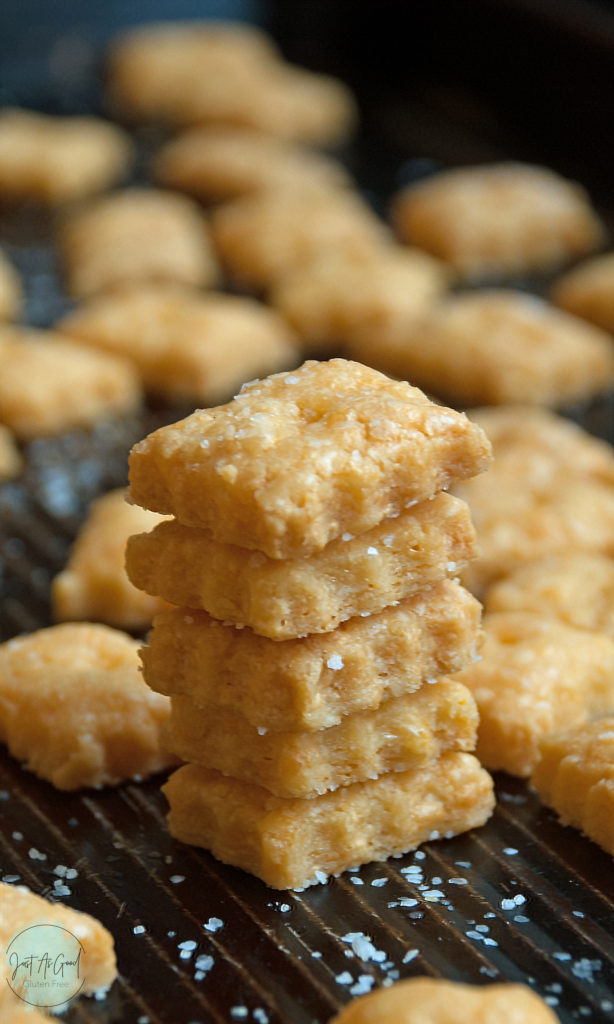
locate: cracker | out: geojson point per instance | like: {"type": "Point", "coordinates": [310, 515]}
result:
{"type": "Point", "coordinates": [498, 219]}
{"type": "Point", "coordinates": [75, 710]}
{"type": "Point", "coordinates": [588, 291]}
{"type": "Point", "coordinates": [536, 676]}
{"type": "Point", "coordinates": [262, 237]}
{"type": "Point", "coordinates": [137, 235]}
{"type": "Point", "coordinates": [342, 296]}
{"type": "Point", "coordinates": [549, 490]}
{"type": "Point", "coordinates": [94, 585]}
{"type": "Point", "coordinates": [10, 459]}
{"type": "Point", "coordinates": [224, 162]}
{"type": "Point", "coordinates": [405, 732]}
{"type": "Point", "coordinates": [575, 776]}
{"type": "Point", "coordinates": [313, 683]}
{"type": "Point", "coordinates": [50, 383]}
{"type": "Point", "coordinates": [301, 458]}
{"type": "Point", "coordinates": [282, 599]}
{"type": "Point", "coordinates": [435, 1001]}
{"type": "Point", "coordinates": [186, 345]}
{"type": "Point", "coordinates": [225, 73]}
{"type": "Point", "coordinates": [494, 347]}
{"type": "Point", "coordinates": [10, 290]}
{"type": "Point", "coordinates": [55, 159]}
{"type": "Point", "coordinates": [575, 586]}
{"type": "Point", "coordinates": [20, 909]}
{"type": "Point", "coordinates": [295, 843]}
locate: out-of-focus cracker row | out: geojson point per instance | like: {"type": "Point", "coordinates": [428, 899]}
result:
{"type": "Point", "coordinates": [137, 235]}
{"type": "Point", "coordinates": [50, 383]}
{"type": "Point", "coordinates": [300, 458]}
{"type": "Point", "coordinates": [435, 1001]}
{"type": "Point", "coordinates": [10, 290]}
{"type": "Point", "coordinates": [287, 598]}
{"type": "Point", "coordinates": [575, 586]}
{"type": "Point", "coordinates": [575, 776]}
{"type": "Point", "coordinates": [313, 683]}
{"type": "Point", "coordinates": [549, 490]}
{"type": "Point", "coordinates": [224, 162]}
{"type": "Point", "coordinates": [341, 295]}
{"type": "Point", "coordinates": [498, 219]}
{"type": "Point", "coordinates": [74, 707]}
{"type": "Point", "coordinates": [404, 732]}
{"type": "Point", "coordinates": [55, 159]}
{"type": "Point", "coordinates": [293, 843]}
{"type": "Point", "coordinates": [588, 291]}
{"type": "Point", "coordinates": [262, 237]}
{"type": "Point", "coordinates": [535, 677]}
{"type": "Point", "coordinates": [224, 73]}
{"type": "Point", "coordinates": [184, 344]}
{"type": "Point", "coordinates": [94, 585]}
{"type": "Point", "coordinates": [494, 347]}
{"type": "Point", "coordinates": [20, 909]}
{"type": "Point", "coordinates": [10, 459]}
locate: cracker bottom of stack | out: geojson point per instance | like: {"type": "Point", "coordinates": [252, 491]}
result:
{"type": "Point", "coordinates": [294, 843]}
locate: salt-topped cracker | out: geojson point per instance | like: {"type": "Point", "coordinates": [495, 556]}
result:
{"type": "Point", "coordinates": [493, 346]}
{"type": "Point", "coordinates": [224, 162]}
{"type": "Point", "coordinates": [575, 776]}
{"type": "Point", "coordinates": [436, 1001]}
{"type": "Point", "coordinates": [550, 489]}
{"type": "Point", "coordinates": [536, 676]}
{"type": "Point", "coordinates": [50, 383]}
{"type": "Point", "coordinates": [498, 219]}
{"type": "Point", "coordinates": [21, 909]}
{"type": "Point", "coordinates": [343, 296]}
{"type": "Point", "coordinates": [184, 344]}
{"type": "Point", "coordinates": [262, 237]}
{"type": "Point", "coordinates": [139, 234]}
{"type": "Point", "coordinates": [94, 585]}
{"type": "Point", "coordinates": [285, 598]}
{"type": "Point", "coordinates": [214, 72]}
{"type": "Point", "coordinates": [293, 843]}
{"type": "Point", "coordinates": [55, 159]}
{"type": "Point", "coordinates": [588, 291]}
{"type": "Point", "coordinates": [75, 710]}
{"type": "Point", "coordinates": [314, 682]}
{"type": "Point", "coordinates": [405, 732]}
{"type": "Point", "coordinates": [301, 458]}
{"type": "Point", "coordinates": [576, 587]}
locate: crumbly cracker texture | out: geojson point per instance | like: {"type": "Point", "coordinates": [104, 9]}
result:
{"type": "Point", "coordinates": [75, 710]}
{"type": "Point", "coordinates": [300, 458]}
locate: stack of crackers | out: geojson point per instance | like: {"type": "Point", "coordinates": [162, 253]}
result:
{"type": "Point", "coordinates": [312, 558]}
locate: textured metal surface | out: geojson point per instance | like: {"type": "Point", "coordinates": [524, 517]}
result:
{"type": "Point", "coordinates": [521, 899]}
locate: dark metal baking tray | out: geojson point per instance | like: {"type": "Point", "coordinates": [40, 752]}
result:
{"type": "Point", "coordinates": [522, 899]}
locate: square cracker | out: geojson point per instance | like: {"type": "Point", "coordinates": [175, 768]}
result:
{"type": "Point", "coordinates": [282, 599]}
{"type": "Point", "coordinates": [404, 732]}
{"type": "Point", "coordinates": [436, 1001]}
{"type": "Point", "coordinates": [75, 710]}
{"type": "Point", "coordinates": [20, 908]}
{"type": "Point", "coordinates": [300, 458]}
{"type": "Point", "coordinates": [291, 844]}
{"type": "Point", "coordinates": [575, 776]}
{"type": "Point", "coordinates": [313, 683]}
{"type": "Point", "coordinates": [184, 344]}
{"type": "Point", "coordinates": [536, 676]}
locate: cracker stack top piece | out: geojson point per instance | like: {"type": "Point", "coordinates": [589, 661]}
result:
{"type": "Point", "coordinates": [298, 459]}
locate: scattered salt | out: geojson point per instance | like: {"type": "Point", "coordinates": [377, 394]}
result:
{"type": "Point", "coordinates": [176, 879]}
{"type": "Point", "coordinates": [335, 662]}
{"type": "Point", "coordinates": [345, 978]}
{"type": "Point", "coordinates": [410, 955]}
{"type": "Point", "coordinates": [138, 929]}
{"type": "Point", "coordinates": [213, 924]}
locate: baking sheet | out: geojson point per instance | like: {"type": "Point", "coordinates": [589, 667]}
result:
{"type": "Point", "coordinates": [522, 899]}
